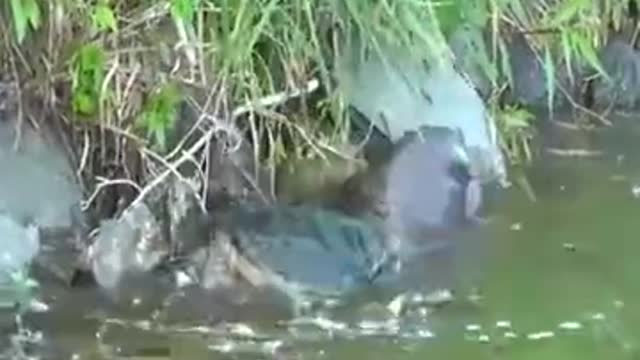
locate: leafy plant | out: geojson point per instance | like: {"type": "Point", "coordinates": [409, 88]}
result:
{"type": "Point", "coordinates": [103, 17]}
{"type": "Point", "coordinates": [88, 75]}
{"type": "Point", "coordinates": [515, 125]}
{"type": "Point", "coordinates": [159, 114]}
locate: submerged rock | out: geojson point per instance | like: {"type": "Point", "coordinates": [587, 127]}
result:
{"type": "Point", "coordinates": [188, 227]}
{"type": "Point", "coordinates": [20, 244]}
{"type": "Point", "coordinates": [129, 246]}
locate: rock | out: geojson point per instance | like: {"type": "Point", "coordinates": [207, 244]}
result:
{"type": "Point", "coordinates": [530, 79]}
{"type": "Point", "coordinates": [38, 194]}
{"type": "Point", "coordinates": [396, 93]}
{"type": "Point", "coordinates": [186, 219]}
{"type": "Point", "coordinates": [621, 61]}
{"type": "Point", "coordinates": [142, 257]}
{"type": "Point", "coordinates": [20, 244]}
{"type": "Point", "coordinates": [127, 247]}
{"type": "Point", "coordinates": [41, 187]}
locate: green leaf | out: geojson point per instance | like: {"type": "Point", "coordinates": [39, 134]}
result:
{"type": "Point", "coordinates": [19, 19]}
{"type": "Point", "coordinates": [566, 11]}
{"type": "Point", "coordinates": [104, 18]}
{"type": "Point", "coordinates": [25, 13]}
{"type": "Point", "coordinates": [449, 15]}
{"type": "Point", "coordinates": [184, 9]}
{"type": "Point", "coordinates": [88, 75]}
{"type": "Point", "coordinates": [587, 50]}
{"type": "Point", "coordinates": [32, 11]}
{"type": "Point", "coordinates": [84, 104]}
{"type": "Point", "coordinates": [567, 49]}
{"type": "Point", "coordinates": [159, 114]}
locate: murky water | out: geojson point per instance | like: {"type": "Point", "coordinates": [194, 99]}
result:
{"type": "Point", "coordinates": [559, 280]}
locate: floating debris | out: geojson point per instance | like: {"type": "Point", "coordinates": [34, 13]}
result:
{"type": "Point", "coordinates": [510, 335]}
{"type": "Point", "coordinates": [484, 338]}
{"type": "Point", "coordinates": [570, 325]}
{"type": "Point", "coordinates": [376, 327]}
{"type": "Point", "coordinates": [226, 347]}
{"type": "Point", "coordinates": [475, 297]}
{"type": "Point", "coordinates": [618, 178]}
{"type": "Point", "coordinates": [271, 347]}
{"type": "Point", "coordinates": [516, 227]}
{"type": "Point", "coordinates": [598, 316]}
{"type": "Point", "coordinates": [435, 298]}
{"type": "Point", "coordinates": [541, 335]}
{"type": "Point", "coordinates": [320, 322]}
{"type": "Point", "coordinates": [425, 334]}
{"type": "Point", "coordinates": [635, 191]}
{"type": "Point", "coordinates": [423, 311]}
{"type": "Point", "coordinates": [580, 153]}
{"type": "Point", "coordinates": [569, 247]}
{"type": "Point", "coordinates": [241, 329]}
{"type": "Point", "coordinates": [38, 306]}
{"type": "Point", "coordinates": [473, 327]}
{"type": "Point", "coordinates": [396, 305]}
{"type": "Point", "coordinates": [503, 324]}
{"type": "Point", "coordinates": [618, 303]}
{"type": "Point", "coordinates": [182, 279]}
{"type": "Point", "coordinates": [331, 303]}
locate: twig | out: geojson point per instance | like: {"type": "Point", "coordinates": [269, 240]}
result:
{"type": "Point", "coordinates": [574, 152]}
{"type": "Point", "coordinates": [102, 183]}
{"type": "Point", "coordinates": [173, 168]}
{"type": "Point", "coordinates": [85, 154]}
{"type": "Point", "coordinates": [185, 156]}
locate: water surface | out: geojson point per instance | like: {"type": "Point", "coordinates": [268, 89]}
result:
{"type": "Point", "coordinates": [558, 280]}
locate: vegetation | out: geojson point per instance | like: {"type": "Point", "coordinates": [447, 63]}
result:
{"type": "Point", "coordinates": [116, 72]}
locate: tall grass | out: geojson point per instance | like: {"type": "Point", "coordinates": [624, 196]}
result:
{"type": "Point", "coordinates": [125, 65]}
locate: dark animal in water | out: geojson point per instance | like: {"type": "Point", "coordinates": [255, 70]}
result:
{"type": "Point", "coordinates": [307, 251]}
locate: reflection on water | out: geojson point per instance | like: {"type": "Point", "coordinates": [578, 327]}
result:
{"type": "Point", "coordinates": [560, 282]}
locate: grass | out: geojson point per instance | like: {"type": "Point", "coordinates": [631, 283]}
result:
{"type": "Point", "coordinates": [113, 73]}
